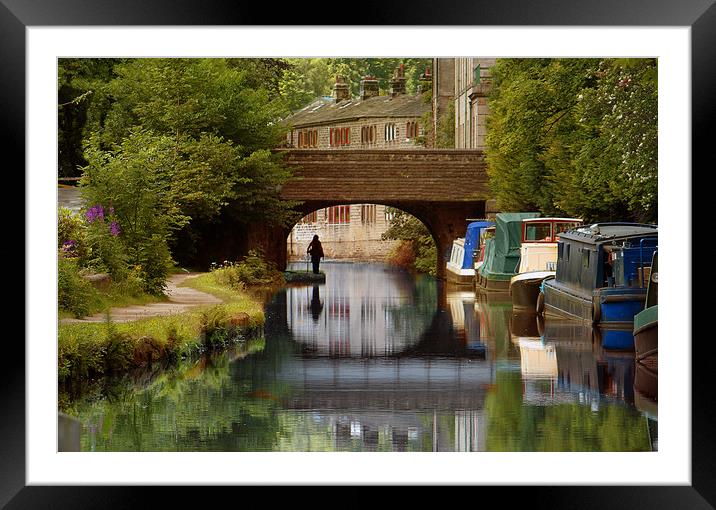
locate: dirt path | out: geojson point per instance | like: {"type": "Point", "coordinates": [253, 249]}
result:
{"type": "Point", "coordinates": [181, 299]}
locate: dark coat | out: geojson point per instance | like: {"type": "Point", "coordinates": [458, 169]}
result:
{"type": "Point", "coordinates": [316, 250]}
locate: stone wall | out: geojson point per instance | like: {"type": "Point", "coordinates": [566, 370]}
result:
{"type": "Point", "coordinates": [355, 240]}
{"type": "Point", "coordinates": [324, 134]}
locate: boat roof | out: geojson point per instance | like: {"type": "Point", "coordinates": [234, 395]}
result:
{"type": "Point", "coordinates": [572, 220]}
{"type": "Point", "coordinates": [600, 233]}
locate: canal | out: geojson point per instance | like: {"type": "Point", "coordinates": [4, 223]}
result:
{"type": "Point", "coordinates": [377, 359]}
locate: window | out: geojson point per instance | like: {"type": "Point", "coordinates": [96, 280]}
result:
{"type": "Point", "coordinates": [585, 259]}
{"type": "Point", "coordinates": [563, 227]}
{"type": "Point", "coordinates": [340, 136]}
{"type": "Point", "coordinates": [310, 217]}
{"type": "Point", "coordinates": [339, 214]}
{"type": "Point", "coordinates": [538, 232]}
{"type": "Point", "coordinates": [367, 213]}
{"type": "Point", "coordinates": [411, 130]}
{"type": "Point", "coordinates": [390, 132]}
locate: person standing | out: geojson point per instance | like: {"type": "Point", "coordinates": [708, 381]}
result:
{"type": "Point", "coordinates": [315, 250]}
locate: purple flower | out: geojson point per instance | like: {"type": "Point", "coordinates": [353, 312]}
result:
{"type": "Point", "coordinates": [114, 228]}
{"type": "Point", "coordinates": [96, 212]}
{"type": "Point", "coordinates": [69, 246]}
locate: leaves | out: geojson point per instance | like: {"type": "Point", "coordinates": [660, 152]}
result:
{"type": "Point", "coordinates": [575, 136]}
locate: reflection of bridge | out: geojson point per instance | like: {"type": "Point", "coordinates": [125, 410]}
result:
{"type": "Point", "coordinates": [442, 188]}
{"type": "Point", "coordinates": [387, 384]}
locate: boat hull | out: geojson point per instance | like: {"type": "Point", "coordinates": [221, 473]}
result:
{"type": "Point", "coordinates": [499, 284]}
{"type": "Point", "coordinates": [646, 333]}
{"type": "Point", "coordinates": [525, 289]}
{"type": "Point", "coordinates": [460, 277]}
{"type": "Point", "coordinates": [646, 378]}
{"type": "Point", "coordinates": [609, 306]}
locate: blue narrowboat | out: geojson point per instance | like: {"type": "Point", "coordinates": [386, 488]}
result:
{"type": "Point", "coordinates": [460, 267]}
{"type": "Point", "coordinates": [602, 277]}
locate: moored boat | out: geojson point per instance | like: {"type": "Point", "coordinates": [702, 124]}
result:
{"type": "Point", "coordinates": [460, 268]}
{"type": "Point", "coordinates": [538, 258]}
{"type": "Point", "coordinates": [601, 277]}
{"type": "Point", "coordinates": [501, 253]}
{"type": "Point", "coordinates": [646, 323]}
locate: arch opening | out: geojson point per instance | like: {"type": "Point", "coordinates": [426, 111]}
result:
{"type": "Point", "coordinates": [366, 232]}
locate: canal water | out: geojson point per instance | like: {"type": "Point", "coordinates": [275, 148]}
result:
{"type": "Point", "coordinates": [377, 359]}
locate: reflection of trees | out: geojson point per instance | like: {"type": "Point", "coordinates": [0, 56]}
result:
{"type": "Point", "coordinates": [196, 406]}
{"type": "Point", "coordinates": [410, 319]}
{"type": "Point", "coordinates": [567, 426]}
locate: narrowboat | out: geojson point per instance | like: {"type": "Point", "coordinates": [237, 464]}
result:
{"type": "Point", "coordinates": [600, 277]}
{"type": "Point", "coordinates": [460, 267]}
{"type": "Point", "coordinates": [501, 252]}
{"type": "Point", "coordinates": [646, 323]}
{"type": "Point", "coordinates": [538, 258]}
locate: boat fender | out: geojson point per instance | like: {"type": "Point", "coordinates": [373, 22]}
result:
{"type": "Point", "coordinates": [596, 310]}
{"type": "Point", "coordinates": [539, 308]}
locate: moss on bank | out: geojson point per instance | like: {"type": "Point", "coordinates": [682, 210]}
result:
{"type": "Point", "coordinates": [96, 349]}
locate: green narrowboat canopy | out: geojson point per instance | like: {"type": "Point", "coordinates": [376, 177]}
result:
{"type": "Point", "coordinates": [502, 252]}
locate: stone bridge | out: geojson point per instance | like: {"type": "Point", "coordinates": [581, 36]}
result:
{"type": "Point", "coordinates": [440, 187]}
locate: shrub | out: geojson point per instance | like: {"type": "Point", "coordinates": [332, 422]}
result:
{"type": "Point", "coordinates": [403, 254]}
{"type": "Point", "coordinates": [71, 235]}
{"type": "Point", "coordinates": [253, 270]}
{"type": "Point", "coordinates": [74, 293]}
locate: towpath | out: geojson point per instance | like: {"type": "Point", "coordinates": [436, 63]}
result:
{"type": "Point", "coordinates": [180, 300]}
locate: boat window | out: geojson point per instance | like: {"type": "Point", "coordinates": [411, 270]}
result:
{"type": "Point", "coordinates": [563, 227]}
{"type": "Point", "coordinates": [585, 259]}
{"type": "Point", "coordinates": [538, 232]}
{"type": "Point", "coordinates": [568, 250]}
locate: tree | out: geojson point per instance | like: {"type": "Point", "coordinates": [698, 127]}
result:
{"type": "Point", "coordinates": [414, 237]}
{"type": "Point", "coordinates": [183, 142]}
{"type": "Point", "coordinates": [80, 84]}
{"type": "Point", "coordinates": [575, 137]}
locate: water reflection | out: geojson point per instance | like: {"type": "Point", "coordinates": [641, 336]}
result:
{"type": "Point", "coordinates": [379, 360]}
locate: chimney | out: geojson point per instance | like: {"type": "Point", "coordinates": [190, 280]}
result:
{"type": "Point", "coordinates": [341, 91]}
{"type": "Point", "coordinates": [397, 83]}
{"type": "Point", "coordinates": [426, 81]}
{"type": "Point", "coordinates": [368, 87]}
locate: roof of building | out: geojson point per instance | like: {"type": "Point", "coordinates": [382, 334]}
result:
{"type": "Point", "coordinates": [324, 110]}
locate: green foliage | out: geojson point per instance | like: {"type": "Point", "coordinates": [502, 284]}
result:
{"type": "Point", "coordinates": [417, 251]}
{"type": "Point", "coordinates": [309, 78]}
{"type": "Point", "coordinates": [445, 135]}
{"type": "Point", "coordinates": [574, 137]}
{"type": "Point", "coordinates": [253, 270]}
{"type": "Point", "coordinates": [74, 293]}
{"type": "Point", "coordinates": [304, 81]}
{"type": "Point", "coordinates": [184, 142]}
{"type": "Point", "coordinates": [71, 234]}
{"type": "Point", "coordinates": [82, 104]}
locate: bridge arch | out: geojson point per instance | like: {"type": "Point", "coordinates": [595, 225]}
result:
{"type": "Point", "coordinates": [440, 187]}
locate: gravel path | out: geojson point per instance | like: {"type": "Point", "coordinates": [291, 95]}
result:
{"type": "Point", "coordinates": [181, 299]}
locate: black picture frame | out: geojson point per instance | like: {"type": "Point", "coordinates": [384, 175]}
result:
{"type": "Point", "coordinates": [699, 15]}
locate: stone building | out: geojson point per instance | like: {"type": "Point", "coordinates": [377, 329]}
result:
{"type": "Point", "coordinates": [369, 122]}
{"type": "Point", "coordinates": [473, 80]}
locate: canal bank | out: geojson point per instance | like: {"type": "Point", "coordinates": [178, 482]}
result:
{"type": "Point", "coordinates": [199, 316]}
{"type": "Point", "coordinates": [377, 359]}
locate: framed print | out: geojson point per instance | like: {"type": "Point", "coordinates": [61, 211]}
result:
{"type": "Point", "coordinates": [671, 469]}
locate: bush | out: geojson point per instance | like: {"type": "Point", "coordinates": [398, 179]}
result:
{"type": "Point", "coordinates": [403, 254]}
{"type": "Point", "coordinates": [252, 271]}
{"type": "Point", "coordinates": [71, 235]}
{"type": "Point", "coordinates": [74, 294]}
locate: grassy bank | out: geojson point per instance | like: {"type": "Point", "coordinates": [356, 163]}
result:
{"type": "Point", "coordinates": [96, 349]}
